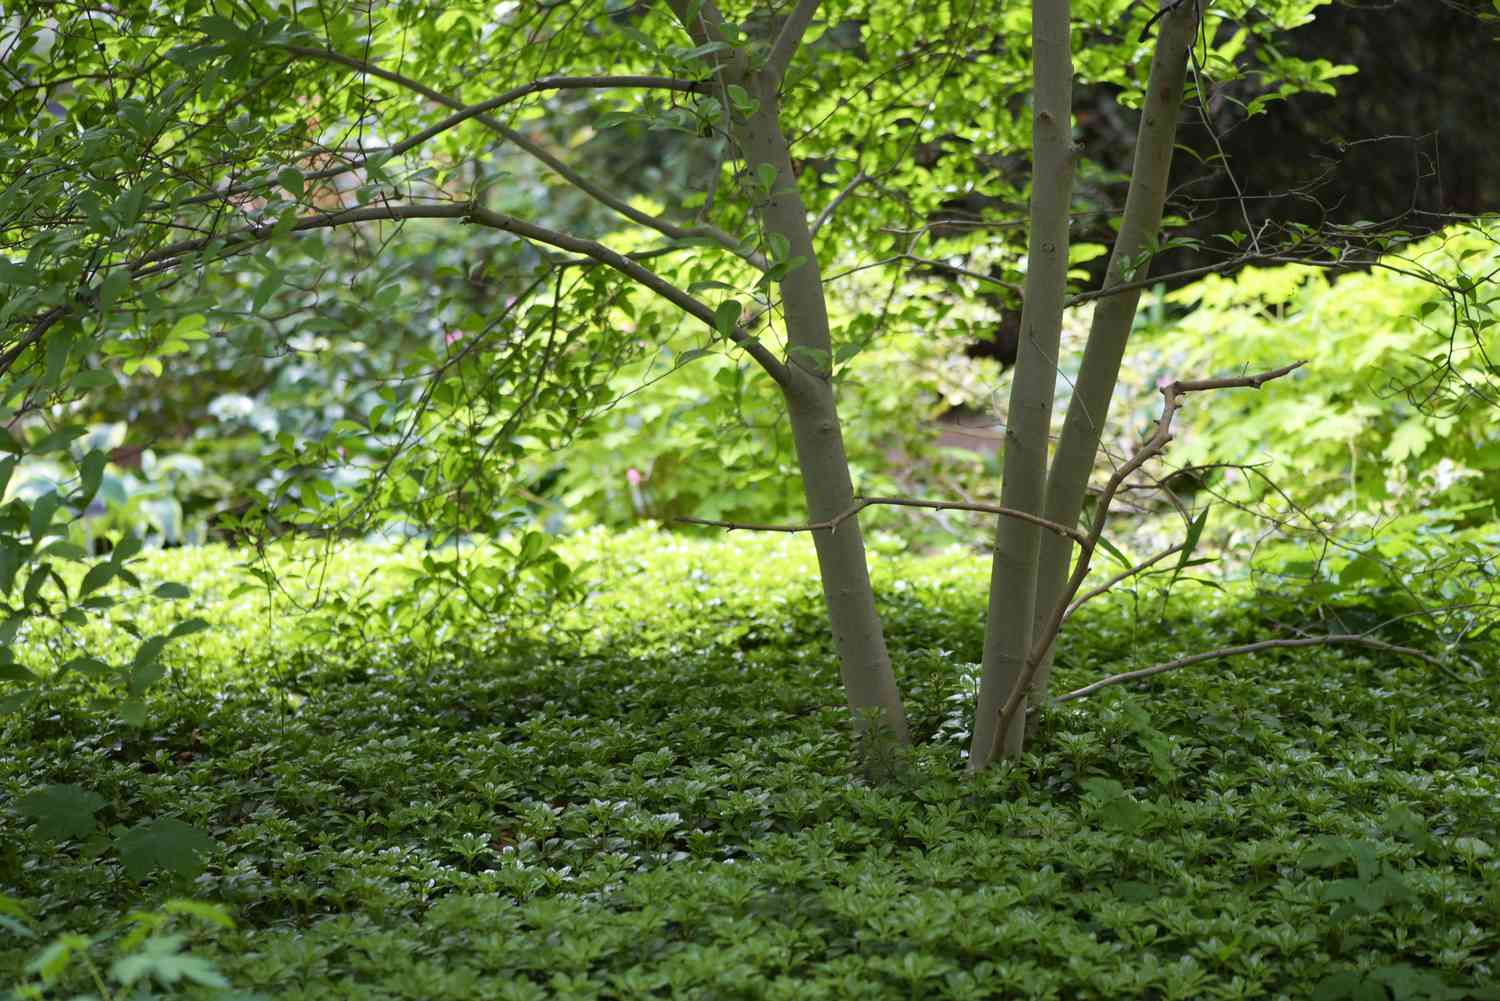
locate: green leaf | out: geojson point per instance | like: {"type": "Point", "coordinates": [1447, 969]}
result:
{"type": "Point", "coordinates": [151, 366]}
{"type": "Point", "coordinates": [743, 103]}
{"type": "Point", "coordinates": [41, 514]}
{"type": "Point", "coordinates": [532, 546]}
{"type": "Point", "coordinates": [186, 627]}
{"type": "Point", "coordinates": [10, 563]}
{"type": "Point", "coordinates": [56, 441]}
{"type": "Point", "coordinates": [99, 575]}
{"type": "Point", "coordinates": [16, 701]}
{"type": "Point", "coordinates": [90, 475]}
{"type": "Point", "coordinates": [91, 667]}
{"type": "Point", "coordinates": [62, 811]}
{"type": "Point", "coordinates": [163, 844]}
{"type": "Point", "coordinates": [292, 180]}
{"type": "Point", "coordinates": [132, 711]}
{"type": "Point", "coordinates": [149, 650]}
{"type": "Point", "coordinates": [160, 958]}
{"type": "Point", "coordinates": [171, 591]}
{"type": "Point", "coordinates": [52, 961]}
{"type": "Point", "coordinates": [727, 317]}
{"type": "Point", "coordinates": [35, 582]}
{"type": "Point", "coordinates": [708, 284]}
{"type": "Point", "coordinates": [266, 289]}
{"type": "Point", "coordinates": [212, 914]}
{"type": "Point", "coordinates": [65, 550]}
{"type": "Point", "coordinates": [15, 672]}
{"type": "Point", "coordinates": [126, 548]}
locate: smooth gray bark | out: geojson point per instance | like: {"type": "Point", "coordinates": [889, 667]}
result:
{"type": "Point", "coordinates": [807, 383]}
{"type": "Point", "coordinates": [1008, 624]}
{"type": "Point", "coordinates": [864, 663]}
{"type": "Point", "coordinates": [1114, 315]}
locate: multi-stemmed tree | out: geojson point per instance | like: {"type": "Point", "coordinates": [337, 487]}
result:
{"type": "Point", "coordinates": [430, 203]}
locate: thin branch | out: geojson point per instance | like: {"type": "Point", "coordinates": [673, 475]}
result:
{"type": "Point", "coordinates": [860, 503]}
{"type": "Point", "coordinates": [954, 269]}
{"type": "Point", "coordinates": [169, 256]}
{"type": "Point", "coordinates": [536, 86]}
{"type": "Point", "coordinates": [1109, 584]}
{"type": "Point", "coordinates": [1172, 396]}
{"type": "Point", "coordinates": [790, 38]}
{"type": "Point", "coordinates": [1207, 269]}
{"type": "Point", "coordinates": [557, 166]}
{"type": "Point", "coordinates": [1356, 639]}
{"type": "Point", "coordinates": [38, 330]}
{"type": "Point", "coordinates": [464, 114]}
{"type": "Point", "coordinates": [838, 199]}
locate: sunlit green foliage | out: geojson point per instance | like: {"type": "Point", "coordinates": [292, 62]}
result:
{"type": "Point", "coordinates": [660, 805]}
{"type": "Point", "coordinates": [1376, 464]}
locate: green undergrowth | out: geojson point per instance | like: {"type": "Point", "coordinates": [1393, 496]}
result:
{"type": "Point", "coordinates": [650, 795]}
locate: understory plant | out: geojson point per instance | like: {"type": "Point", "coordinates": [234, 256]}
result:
{"type": "Point", "coordinates": [191, 199]}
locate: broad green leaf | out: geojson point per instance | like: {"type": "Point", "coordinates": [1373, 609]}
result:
{"type": "Point", "coordinates": [164, 844]}
{"type": "Point", "coordinates": [213, 914]}
{"type": "Point", "coordinates": [62, 811]}
{"type": "Point", "coordinates": [160, 958]}
{"type": "Point", "coordinates": [53, 961]}
{"type": "Point", "coordinates": [292, 180]}
{"type": "Point", "coordinates": [149, 650]}
{"type": "Point", "coordinates": [132, 711]}
{"type": "Point", "coordinates": [99, 575]}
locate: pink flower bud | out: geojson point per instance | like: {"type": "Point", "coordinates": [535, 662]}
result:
{"type": "Point", "coordinates": [633, 476]}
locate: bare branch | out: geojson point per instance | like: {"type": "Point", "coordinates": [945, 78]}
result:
{"type": "Point", "coordinates": [790, 37]}
{"type": "Point", "coordinates": [1172, 395]}
{"type": "Point", "coordinates": [557, 166]}
{"type": "Point", "coordinates": [1108, 585]}
{"type": "Point", "coordinates": [838, 199]}
{"type": "Point", "coordinates": [537, 86]}
{"type": "Point", "coordinates": [861, 503]}
{"type": "Point", "coordinates": [1355, 639]}
{"type": "Point", "coordinates": [1151, 282]}
{"type": "Point", "coordinates": [954, 269]}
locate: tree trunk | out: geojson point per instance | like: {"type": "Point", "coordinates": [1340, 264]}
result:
{"type": "Point", "coordinates": [1114, 314]}
{"type": "Point", "coordinates": [864, 664]}
{"type": "Point", "coordinates": [1008, 625]}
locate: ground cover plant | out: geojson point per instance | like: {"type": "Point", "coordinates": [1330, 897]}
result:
{"type": "Point", "coordinates": [660, 806]}
{"type": "Point", "coordinates": [410, 237]}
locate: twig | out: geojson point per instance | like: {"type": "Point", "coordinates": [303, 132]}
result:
{"type": "Point", "coordinates": [1109, 584]}
{"type": "Point", "coordinates": [567, 173]}
{"type": "Point", "coordinates": [1356, 639]}
{"type": "Point", "coordinates": [1172, 396]}
{"type": "Point", "coordinates": [472, 213]}
{"type": "Point", "coordinates": [838, 199]}
{"type": "Point", "coordinates": [860, 503]}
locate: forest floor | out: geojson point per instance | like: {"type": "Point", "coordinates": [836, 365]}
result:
{"type": "Point", "coordinates": [651, 796]}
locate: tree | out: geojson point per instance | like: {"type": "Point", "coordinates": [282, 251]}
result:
{"type": "Point", "coordinates": [194, 185]}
